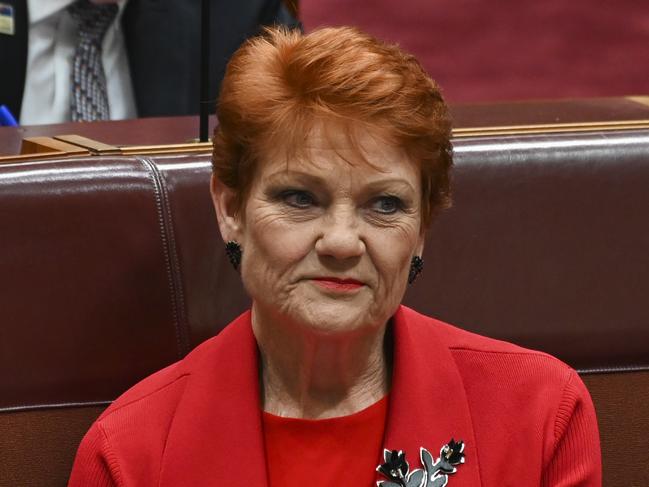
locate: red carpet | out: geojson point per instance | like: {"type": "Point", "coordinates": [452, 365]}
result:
{"type": "Point", "coordinates": [508, 49]}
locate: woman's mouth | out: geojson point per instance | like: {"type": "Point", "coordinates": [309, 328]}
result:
{"type": "Point", "coordinates": [337, 284]}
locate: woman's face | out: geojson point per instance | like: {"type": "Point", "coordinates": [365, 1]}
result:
{"type": "Point", "coordinates": [327, 242]}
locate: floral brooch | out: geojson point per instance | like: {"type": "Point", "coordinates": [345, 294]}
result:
{"type": "Point", "coordinates": [434, 474]}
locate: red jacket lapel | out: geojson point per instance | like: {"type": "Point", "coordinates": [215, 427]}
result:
{"type": "Point", "coordinates": [428, 404]}
{"type": "Point", "coordinates": [216, 437]}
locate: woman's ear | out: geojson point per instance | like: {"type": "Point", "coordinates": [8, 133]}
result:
{"type": "Point", "coordinates": [224, 201]}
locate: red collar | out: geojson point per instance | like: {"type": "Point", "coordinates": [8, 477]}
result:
{"type": "Point", "coordinates": [216, 435]}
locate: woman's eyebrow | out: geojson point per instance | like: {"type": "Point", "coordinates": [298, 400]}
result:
{"type": "Point", "coordinates": [391, 183]}
{"type": "Point", "coordinates": [299, 177]}
{"type": "Point", "coordinates": [295, 176]}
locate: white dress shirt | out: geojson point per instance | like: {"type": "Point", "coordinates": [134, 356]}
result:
{"type": "Point", "coordinates": [52, 43]}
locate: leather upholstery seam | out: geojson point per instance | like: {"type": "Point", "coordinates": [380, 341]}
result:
{"type": "Point", "coordinates": [176, 268]}
{"type": "Point", "coordinates": [613, 369]}
{"type": "Point", "coordinates": [168, 249]}
{"type": "Point", "coordinates": [62, 405]}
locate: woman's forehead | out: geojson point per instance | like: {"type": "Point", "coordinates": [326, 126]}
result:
{"type": "Point", "coordinates": [338, 147]}
{"type": "Point", "coordinates": [327, 168]}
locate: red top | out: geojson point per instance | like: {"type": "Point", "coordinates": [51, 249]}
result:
{"type": "Point", "coordinates": [341, 451]}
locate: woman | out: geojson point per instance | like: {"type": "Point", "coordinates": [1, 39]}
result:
{"type": "Point", "coordinates": [330, 160]}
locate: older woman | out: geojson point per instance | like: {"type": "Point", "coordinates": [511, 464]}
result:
{"type": "Point", "coordinates": [330, 160]}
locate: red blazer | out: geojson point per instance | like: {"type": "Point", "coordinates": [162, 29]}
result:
{"type": "Point", "coordinates": [525, 417]}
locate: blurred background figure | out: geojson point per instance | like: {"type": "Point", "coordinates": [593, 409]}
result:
{"type": "Point", "coordinates": [509, 50]}
{"type": "Point", "coordinates": [107, 59]}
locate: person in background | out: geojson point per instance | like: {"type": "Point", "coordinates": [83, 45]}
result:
{"type": "Point", "coordinates": [331, 159]}
{"type": "Point", "coordinates": [116, 59]}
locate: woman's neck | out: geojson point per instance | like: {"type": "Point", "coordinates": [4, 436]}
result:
{"type": "Point", "coordinates": [306, 374]}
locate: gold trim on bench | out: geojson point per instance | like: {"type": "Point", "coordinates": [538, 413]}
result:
{"type": "Point", "coordinates": [40, 148]}
{"type": "Point", "coordinates": [549, 128]}
{"type": "Point", "coordinates": [74, 145]}
{"type": "Point", "coordinates": [92, 146]}
{"type": "Point", "coordinates": [643, 100]}
{"type": "Point", "coordinates": [40, 145]}
{"type": "Point", "coordinates": [168, 149]}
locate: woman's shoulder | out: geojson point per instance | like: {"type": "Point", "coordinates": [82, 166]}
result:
{"type": "Point", "coordinates": [456, 337]}
{"type": "Point", "coordinates": [516, 395]}
{"type": "Point", "coordinates": [490, 364]}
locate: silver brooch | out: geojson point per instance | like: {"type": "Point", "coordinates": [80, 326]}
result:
{"type": "Point", "coordinates": [434, 473]}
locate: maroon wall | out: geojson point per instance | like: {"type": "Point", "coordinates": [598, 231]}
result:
{"type": "Point", "coordinates": [510, 49]}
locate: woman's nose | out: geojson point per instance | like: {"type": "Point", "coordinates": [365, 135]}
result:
{"type": "Point", "coordinates": [339, 236]}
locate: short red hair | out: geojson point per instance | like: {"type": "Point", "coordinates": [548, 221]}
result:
{"type": "Point", "coordinates": [279, 85]}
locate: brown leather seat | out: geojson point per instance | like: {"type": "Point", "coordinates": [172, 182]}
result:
{"type": "Point", "coordinates": [112, 267]}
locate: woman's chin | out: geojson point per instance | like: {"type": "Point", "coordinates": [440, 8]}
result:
{"type": "Point", "coordinates": [314, 309]}
{"type": "Point", "coordinates": [335, 317]}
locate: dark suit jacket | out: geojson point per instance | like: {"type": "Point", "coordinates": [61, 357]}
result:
{"type": "Point", "coordinates": [163, 44]}
{"type": "Point", "coordinates": [526, 418]}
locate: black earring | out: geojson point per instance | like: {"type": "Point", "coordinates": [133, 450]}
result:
{"type": "Point", "coordinates": [416, 266]}
{"type": "Point", "coordinates": [233, 250]}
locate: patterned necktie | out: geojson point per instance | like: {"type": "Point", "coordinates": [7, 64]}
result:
{"type": "Point", "coordinates": [89, 98]}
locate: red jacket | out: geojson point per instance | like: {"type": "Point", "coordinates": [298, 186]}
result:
{"type": "Point", "coordinates": [525, 417]}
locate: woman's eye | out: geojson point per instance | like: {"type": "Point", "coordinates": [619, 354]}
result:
{"type": "Point", "coordinates": [298, 199]}
{"type": "Point", "coordinates": [387, 205]}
